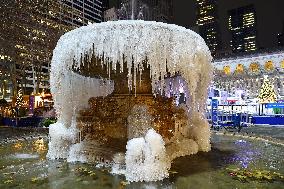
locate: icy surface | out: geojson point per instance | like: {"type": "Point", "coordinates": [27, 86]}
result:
{"type": "Point", "coordinates": [72, 91]}
{"type": "Point", "coordinates": [60, 140]}
{"type": "Point", "coordinates": [25, 156]}
{"type": "Point", "coordinates": [75, 153]}
{"type": "Point", "coordinates": [146, 158]}
{"type": "Point", "coordinates": [169, 50]}
{"type": "Point", "coordinates": [118, 166]}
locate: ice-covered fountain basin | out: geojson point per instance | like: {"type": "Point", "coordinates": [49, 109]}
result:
{"type": "Point", "coordinates": [167, 49]}
{"type": "Point", "coordinates": [129, 46]}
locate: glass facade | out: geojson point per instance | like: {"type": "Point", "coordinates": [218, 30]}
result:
{"type": "Point", "coordinates": [242, 24]}
{"type": "Point", "coordinates": [82, 12]}
{"type": "Point", "coordinates": [207, 20]}
{"type": "Point", "coordinates": [26, 53]}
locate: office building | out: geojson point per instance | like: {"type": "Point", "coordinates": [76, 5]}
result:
{"type": "Point", "coordinates": [242, 25]}
{"type": "Point", "coordinates": [6, 83]}
{"type": "Point", "coordinates": [207, 20]}
{"type": "Point", "coordinates": [82, 12]}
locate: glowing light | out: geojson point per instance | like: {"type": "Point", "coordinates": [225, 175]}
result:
{"type": "Point", "coordinates": [18, 145]}
{"type": "Point", "coordinates": [39, 145]}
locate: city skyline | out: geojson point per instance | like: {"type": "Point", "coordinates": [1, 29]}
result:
{"type": "Point", "coordinates": [269, 15]}
{"type": "Point", "coordinates": [209, 22]}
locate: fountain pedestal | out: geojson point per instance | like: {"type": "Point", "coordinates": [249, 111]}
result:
{"type": "Point", "coordinates": [106, 118]}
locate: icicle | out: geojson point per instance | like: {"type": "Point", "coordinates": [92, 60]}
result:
{"type": "Point", "coordinates": [176, 50]}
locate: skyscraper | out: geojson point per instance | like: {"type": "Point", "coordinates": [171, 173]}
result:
{"type": "Point", "coordinates": [207, 20]}
{"type": "Point", "coordinates": [26, 51]}
{"type": "Point", "coordinates": [82, 12]}
{"type": "Point", "coordinates": [242, 25]}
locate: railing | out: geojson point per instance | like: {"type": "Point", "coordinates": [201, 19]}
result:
{"type": "Point", "coordinates": [253, 109]}
{"type": "Point", "coordinates": [248, 115]}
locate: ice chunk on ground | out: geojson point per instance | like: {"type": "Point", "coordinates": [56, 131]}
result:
{"type": "Point", "coordinates": [146, 158]}
{"type": "Point", "coordinates": [76, 153]}
{"type": "Point", "coordinates": [60, 140]}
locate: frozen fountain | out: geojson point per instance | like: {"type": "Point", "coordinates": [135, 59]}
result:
{"type": "Point", "coordinates": [114, 86]}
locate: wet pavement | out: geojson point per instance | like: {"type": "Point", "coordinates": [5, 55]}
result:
{"type": "Point", "coordinates": [276, 132]}
{"type": "Point", "coordinates": [23, 164]}
{"type": "Point", "coordinates": [8, 134]}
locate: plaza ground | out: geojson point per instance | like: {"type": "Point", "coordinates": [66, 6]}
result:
{"type": "Point", "coordinates": [8, 134]}
{"type": "Point", "coordinates": [268, 132]}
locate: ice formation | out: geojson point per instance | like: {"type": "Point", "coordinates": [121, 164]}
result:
{"type": "Point", "coordinates": [118, 165]}
{"type": "Point", "coordinates": [146, 158]}
{"type": "Point", "coordinates": [76, 153]}
{"type": "Point", "coordinates": [61, 138]}
{"type": "Point", "coordinates": [168, 50]}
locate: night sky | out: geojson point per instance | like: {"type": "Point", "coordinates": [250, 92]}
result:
{"type": "Point", "coordinates": [270, 18]}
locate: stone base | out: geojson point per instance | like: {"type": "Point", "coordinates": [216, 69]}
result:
{"type": "Point", "coordinates": [106, 118]}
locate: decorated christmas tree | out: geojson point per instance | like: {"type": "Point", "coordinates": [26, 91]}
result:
{"type": "Point", "coordinates": [19, 99]}
{"type": "Point", "coordinates": [267, 93]}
